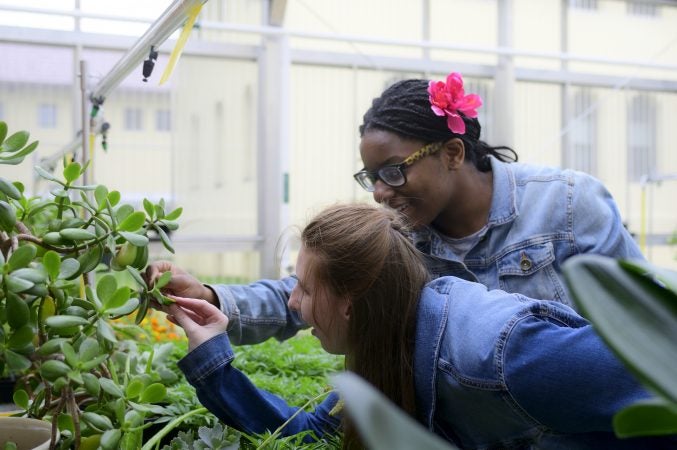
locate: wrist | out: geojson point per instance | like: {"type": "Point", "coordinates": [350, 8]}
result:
{"type": "Point", "coordinates": [211, 296]}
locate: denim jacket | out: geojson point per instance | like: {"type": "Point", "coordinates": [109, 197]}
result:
{"type": "Point", "coordinates": [492, 370]}
{"type": "Point", "coordinates": [539, 217]}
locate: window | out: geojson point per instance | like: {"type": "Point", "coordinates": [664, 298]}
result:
{"type": "Point", "coordinates": [644, 9]}
{"type": "Point", "coordinates": [163, 120]}
{"type": "Point", "coordinates": [580, 153]}
{"type": "Point", "coordinates": [641, 131]}
{"type": "Point", "coordinates": [47, 115]}
{"type": "Point", "coordinates": [485, 113]}
{"type": "Point", "coordinates": [133, 119]}
{"type": "Point", "coordinates": [583, 4]}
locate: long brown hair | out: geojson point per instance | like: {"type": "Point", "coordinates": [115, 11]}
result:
{"type": "Point", "coordinates": [361, 252]}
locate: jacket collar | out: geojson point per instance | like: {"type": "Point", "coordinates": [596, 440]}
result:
{"type": "Point", "coordinates": [433, 310]}
{"type": "Point", "coordinates": [503, 202]}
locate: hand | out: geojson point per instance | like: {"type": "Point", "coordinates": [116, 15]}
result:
{"type": "Point", "coordinates": [182, 283]}
{"type": "Point", "coordinates": [200, 320]}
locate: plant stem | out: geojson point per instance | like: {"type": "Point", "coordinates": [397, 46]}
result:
{"type": "Point", "coordinates": [169, 427]}
{"type": "Point", "coordinates": [275, 434]}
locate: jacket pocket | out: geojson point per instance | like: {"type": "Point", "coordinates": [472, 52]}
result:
{"type": "Point", "coordinates": [529, 270]}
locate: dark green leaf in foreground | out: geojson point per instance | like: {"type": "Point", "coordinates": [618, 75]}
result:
{"type": "Point", "coordinates": [614, 298]}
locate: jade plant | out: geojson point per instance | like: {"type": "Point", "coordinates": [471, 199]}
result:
{"type": "Point", "coordinates": [60, 296]}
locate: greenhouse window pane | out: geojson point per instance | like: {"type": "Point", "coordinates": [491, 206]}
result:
{"type": "Point", "coordinates": [47, 115]}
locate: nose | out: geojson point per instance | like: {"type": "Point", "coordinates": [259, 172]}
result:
{"type": "Point", "coordinates": [294, 299]}
{"type": "Point", "coordinates": [382, 192]}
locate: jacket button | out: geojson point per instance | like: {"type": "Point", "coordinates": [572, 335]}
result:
{"type": "Point", "coordinates": [525, 263]}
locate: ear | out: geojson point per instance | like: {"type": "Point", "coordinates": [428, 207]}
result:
{"type": "Point", "coordinates": [346, 309]}
{"type": "Point", "coordinates": [453, 154]}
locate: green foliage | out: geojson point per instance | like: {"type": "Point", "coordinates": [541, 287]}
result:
{"type": "Point", "coordinates": [59, 302]}
{"type": "Point", "coordinates": [299, 362]}
{"type": "Point", "coordinates": [633, 306]}
{"type": "Point", "coordinates": [216, 437]}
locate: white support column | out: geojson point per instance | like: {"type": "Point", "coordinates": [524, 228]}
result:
{"type": "Point", "coordinates": [566, 85]}
{"type": "Point", "coordinates": [504, 107]}
{"type": "Point", "coordinates": [273, 149]}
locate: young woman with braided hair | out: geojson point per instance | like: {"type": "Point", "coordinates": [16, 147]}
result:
{"type": "Point", "coordinates": [482, 369]}
{"type": "Point", "coordinates": [477, 216]}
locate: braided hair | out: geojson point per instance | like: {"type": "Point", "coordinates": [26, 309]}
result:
{"type": "Point", "coordinates": [404, 109]}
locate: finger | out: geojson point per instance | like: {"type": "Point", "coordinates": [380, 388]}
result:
{"type": "Point", "coordinates": [199, 306]}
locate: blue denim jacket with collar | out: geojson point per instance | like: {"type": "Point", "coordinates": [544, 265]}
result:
{"type": "Point", "coordinates": [492, 370]}
{"type": "Point", "coordinates": [539, 217]}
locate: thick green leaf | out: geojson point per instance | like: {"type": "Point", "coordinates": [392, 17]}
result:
{"type": "Point", "coordinates": [100, 195]}
{"type": "Point", "coordinates": [90, 259]}
{"type": "Point", "coordinates": [89, 348]}
{"type": "Point", "coordinates": [148, 207]}
{"type": "Point", "coordinates": [16, 284]}
{"type": "Point", "coordinates": [105, 331]}
{"type": "Point", "coordinates": [20, 398]}
{"type": "Point", "coordinates": [137, 276]}
{"type": "Point", "coordinates": [132, 222]}
{"type": "Point", "coordinates": [163, 280]}
{"type": "Point", "coordinates": [154, 393]}
{"type": "Point", "coordinates": [52, 262]}
{"type": "Point", "coordinates": [113, 198]}
{"type": "Point", "coordinates": [65, 423]}
{"type": "Point", "coordinates": [174, 214]}
{"type": "Point", "coordinates": [3, 131]}
{"type": "Point", "coordinates": [652, 417]}
{"type": "Point", "coordinates": [72, 171]}
{"type": "Point", "coordinates": [636, 317]}
{"type": "Point", "coordinates": [665, 276]}
{"type": "Point", "coordinates": [110, 439]}
{"type": "Point", "coordinates": [31, 274]}
{"type": "Point", "coordinates": [70, 355]}
{"type": "Point", "coordinates": [53, 369]}
{"type": "Point", "coordinates": [111, 387]}
{"type": "Point", "coordinates": [129, 306]}
{"type": "Point", "coordinates": [16, 141]}
{"type": "Point", "coordinates": [381, 424]}
{"type": "Point", "coordinates": [21, 338]}
{"type": "Point", "coordinates": [70, 268]}
{"type": "Point", "coordinates": [65, 321]}
{"type": "Point", "coordinates": [106, 287]}
{"type": "Point", "coordinates": [16, 362]}
{"type": "Point", "coordinates": [92, 363]}
{"type": "Point", "coordinates": [9, 189]}
{"type": "Point", "coordinates": [98, 421]}
{"type": "Point", "coordinates": [138, 240]}
{"type": "Point", "coordinates": [76, 234]}
{"type": "Point", "coordinates": [21, 257]}
{"type": "Point", "coordinates": [17, 311]}
{"type": "Point", "coordinates": [117, 299]}
{"type": "Point", "coordinates": [134, 389]}
{"type": "Point", "coordinates": [46, 175]}
{"type": "Point", "coordinates": [20, 155]}
{"type": "Point", "coordinates": [122, 212]}
{"type": "Point", "coordinates": [166, 242]}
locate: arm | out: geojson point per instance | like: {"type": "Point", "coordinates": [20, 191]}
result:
{"type": "Point", "coordinates": [597, 224]}
{"type": "Point", "coordinates": [256, 311]}
{"type": "Point", "coordinates": [226, 391]}
{"type": "Point", "coordinates": [232, 397]}
{"type": "Point", "coordinates": [259, 310]}
{"type": "Point", "coordinates": [559, 371]}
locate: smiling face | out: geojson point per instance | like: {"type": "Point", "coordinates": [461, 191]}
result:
{"type": "Point", "coordinates": [327, 313]}
{"type": "Point", "coordinates": [429, 187]}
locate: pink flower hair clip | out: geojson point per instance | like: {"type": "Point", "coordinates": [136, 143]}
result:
{"type": "Point", "coordinates": [449, 99]}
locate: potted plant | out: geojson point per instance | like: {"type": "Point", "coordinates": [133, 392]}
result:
{"type": "Point", "coordinates": [59, 303]}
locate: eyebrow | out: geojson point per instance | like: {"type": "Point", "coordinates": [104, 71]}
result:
{"type": "Point", "coordinates": [299, 283]}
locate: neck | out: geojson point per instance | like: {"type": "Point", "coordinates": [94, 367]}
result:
{"type": "Point", "coordinates": [468, 211]}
